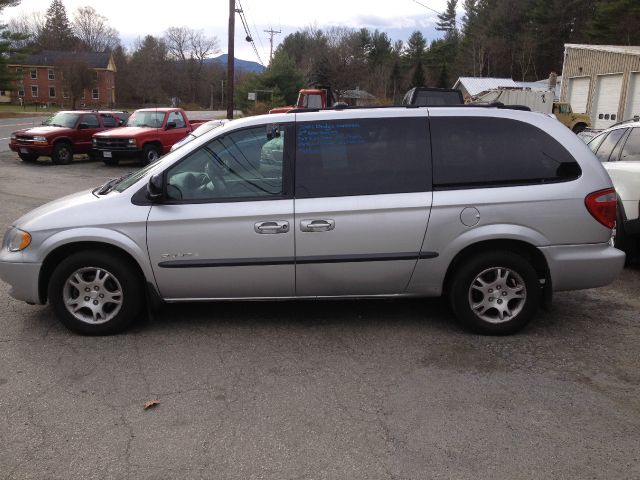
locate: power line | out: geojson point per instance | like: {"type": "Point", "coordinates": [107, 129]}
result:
{"type": "Point", "coordinates": [255, 27]}
{"type": "Point", "coordinates": [435, 11]}
{"type": "Point", "coordinates": [247, 31]}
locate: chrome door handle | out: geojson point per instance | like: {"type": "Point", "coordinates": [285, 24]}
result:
{"type": "Point", "coordinates": [271, 227]}
{"type": "Point", "coordinates": [317, 225]}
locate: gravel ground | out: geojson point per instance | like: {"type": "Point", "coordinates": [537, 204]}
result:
{"type": "Point", "coordinates": [342, 390]}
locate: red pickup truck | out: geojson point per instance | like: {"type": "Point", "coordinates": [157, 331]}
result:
{"type": "Point", "coordinates": [149, 133]}
{"type": "Point", "coordinates": [64, 134]}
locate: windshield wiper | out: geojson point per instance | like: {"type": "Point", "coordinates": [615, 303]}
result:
{"type": "Point", "coordinates": [107, 187]}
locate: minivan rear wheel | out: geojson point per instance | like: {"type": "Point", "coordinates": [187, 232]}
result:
{"type": "Point", "coordinates": [495, 293]}
{"type": "Point", "coordinates": [95, 293]}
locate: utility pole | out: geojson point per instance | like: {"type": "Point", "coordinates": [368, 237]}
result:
{"type": "Point", "coordinates": [231, 58]}
{"type": "Point", "coordinates": [271, 33]}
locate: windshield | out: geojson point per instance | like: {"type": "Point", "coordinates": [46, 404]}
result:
{"type": "Point", "coordinates": [134, 177]}
{"type": "Point", "coordinates": [62, 119]}
{"type": "Point", "coordinates": [146, 119]}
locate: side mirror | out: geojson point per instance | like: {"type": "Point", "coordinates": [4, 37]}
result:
{"type": "Point", "coordinates": [154, 188]}
{"type": "Point", "coordinates": [170, 125]}
{"type": "Point", "coordinates": [83, 126]}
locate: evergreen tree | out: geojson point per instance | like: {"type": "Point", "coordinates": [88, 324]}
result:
{"type": "Point", "coordinates": [447, 20]}
{"type": "Point", "coordinates": [417, 79]}
{"type": "Point", "coordinates": [8, 48]}
{"type": "Point", "coordinates": [616, 22]}
{"type": "Point", "coordinates": [416, 46]}
{"type": "Point", "coordinates": [57, 33]}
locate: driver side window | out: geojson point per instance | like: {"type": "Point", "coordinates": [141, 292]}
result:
{"type": "Point", "coordinates": [244, 164]}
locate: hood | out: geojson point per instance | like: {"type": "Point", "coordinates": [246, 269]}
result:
{"type": "Point", "coordinates": [43, 131]}
{"type": "Point", "coordinates": [62, 211]}
{"type": "Point", "coordinates": [125, 132]}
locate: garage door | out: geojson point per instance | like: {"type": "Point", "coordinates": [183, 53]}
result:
{"type": "Point", "coordinates": [607, 100]}
{"type": "Point", "coordinates": [579, 93]}
{"type": "Point", "coordinates": [633, 97]}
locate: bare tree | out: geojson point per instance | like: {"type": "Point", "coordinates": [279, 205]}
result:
{"type": "Point", "coordinates": [76, 77]}
{"type": "Point", "coordinates": [94, 31]}
{"type": "Point", "coordinates": [190, 48]}
{"type": "Point", "coordinates": [27, 27]}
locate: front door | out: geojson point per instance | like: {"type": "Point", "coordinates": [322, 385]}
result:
{"type": "Point", "coordinates": [225, 229]}
{"type": "Point", "coordinates": [363, 197]}
{"type": "Point", "coordinates": [178, 132]}
{"type": "Point", "coordinates": [91, 125]}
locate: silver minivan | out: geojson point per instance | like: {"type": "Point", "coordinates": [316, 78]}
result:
{"type": "Point", "coordinates": [495, 208]}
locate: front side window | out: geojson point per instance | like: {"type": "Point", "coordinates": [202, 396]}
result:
{"type": "Point", "coordinates": [176, 117]}
{"type": "Point", "coordinates": [478, 152]}
{"type": "Point", "coordinates": [362, 157]}
{"type": "Point", "coordinates": [52, 92]}
{"type": "Point", "coordinates": [34, 74]}
{"type": "Point", "coordinates": [609, 143]}
{"type": "Point", "coordinates": [245, 164]}
{"type": "Point", "coordinates": [631, 150]}
{"type": "Point", "coordinates": [34, 91]}
{"type": "Point", "coordinates": [52, 75]}
{"type": "Point", "coordinates": [91, 120]}
{"type": "Point", "coordinates": [95, 94]}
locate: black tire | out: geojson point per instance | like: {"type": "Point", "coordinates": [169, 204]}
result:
{"type": "Point", "coordinates": [518, 291]}
{"type": "Point", "coordinates": [28, 157]}
{"type": "Point", "coordinates": [111, 162]}
{"type": "Point", "coordinates": [579, 128]}
{"type": "Point", "coordinates": [62, 153]}
{"type": "Point", "coordinates": [622, 240]}
{"type": "Point", "coordinates": [150, 153]}
{"type": "Point", "coordinates": [112, 287]}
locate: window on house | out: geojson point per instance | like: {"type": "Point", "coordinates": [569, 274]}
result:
{"type": "Point", "coordinates": [21, 92]}
{"type": "Point", "coordinates": [95, 76]}
{"type": "Point", "coordinates": [52, 75]}
{"type": "Point", "coordinates": [83, 96]}
{"type": "Point", "coordinates": [52, 92]}
{"type": "Point", "coordinates": [34, 73]}
{"type": "Point", "coordinates": [34, 91]}
{"type": "Point", "coordinates": [3, 93]}
{"type": "Point", "coordinates": [95, 94]}
{"type": "Point", "coordinates": [65, 93]}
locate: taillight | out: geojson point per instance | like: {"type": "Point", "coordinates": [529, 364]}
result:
{"type": "Point", "coordinates": [602, 205]}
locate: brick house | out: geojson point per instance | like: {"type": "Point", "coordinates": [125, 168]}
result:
{"type": "Point", "coordinates": [41, 79]}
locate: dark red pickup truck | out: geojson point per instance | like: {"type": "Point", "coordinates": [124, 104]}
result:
{"type": "Point", "coordinates": [150, 133]}
{"type": "Point", "coordinates": [63, 135]}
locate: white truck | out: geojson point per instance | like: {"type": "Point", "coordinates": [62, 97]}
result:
{"type": "Point", "coordinates": [538, 101]}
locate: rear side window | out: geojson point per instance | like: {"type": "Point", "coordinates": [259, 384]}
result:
{"type": "Point", "coordinates": [631, 150]}
{"type": "Point", "coordinates": [108, 121]}
{"type": "Point", "coordinates": [362, 157]}
{"type": "Point", "coordinates": [609, 143]}
{"type": "Point", "coordinates": [483, 152]}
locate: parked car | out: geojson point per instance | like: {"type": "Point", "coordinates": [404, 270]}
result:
{"type": "Point", "coordinates": [618, 148]}
{"type": "Point", "coordinates": [198, 131]}
{"type": "Point", "coordinates": [149, 134]}
{"type": "Point", "coordinates": [494, 208]}
{"type": "Point", "coordinates": [63, 135]}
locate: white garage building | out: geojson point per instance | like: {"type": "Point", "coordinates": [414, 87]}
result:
{"type": "Point", "coordinates": [602, 81]}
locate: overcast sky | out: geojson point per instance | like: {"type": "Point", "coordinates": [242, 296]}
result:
{"type": "Point", "coordinates": [137, 18]}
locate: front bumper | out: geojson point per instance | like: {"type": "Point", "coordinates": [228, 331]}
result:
{"type": "Point", "coordinates": [40, 150]}
{"type": "Point", "coordinates": [574, 267]}
{"type": "Point", "coordinates": [23, 280]}
{"type": "Point", "coordinates": [103, 153]}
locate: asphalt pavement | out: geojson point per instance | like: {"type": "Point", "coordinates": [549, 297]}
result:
{"type": "Point", "coordinates": [314, 390]}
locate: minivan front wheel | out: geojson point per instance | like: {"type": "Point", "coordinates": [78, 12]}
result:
{"type": "Point", "coordinates": [95, 293]}
{"type": "Point", "coordinates": [495, 293]}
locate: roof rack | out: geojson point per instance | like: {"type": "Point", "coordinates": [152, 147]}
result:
{"type": "Point", "coordinates": [498, 105]}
